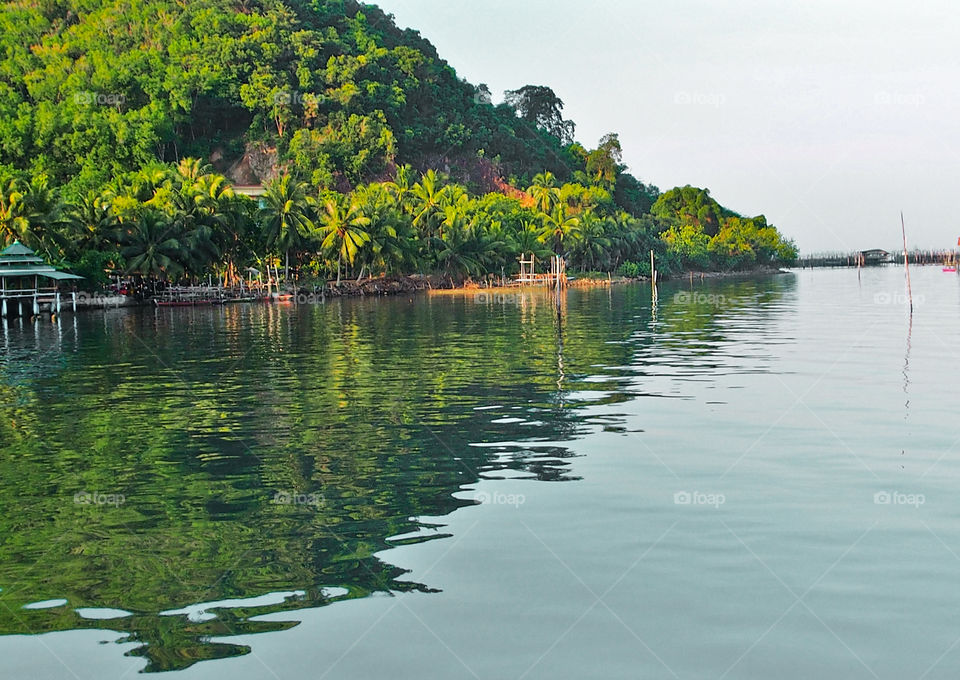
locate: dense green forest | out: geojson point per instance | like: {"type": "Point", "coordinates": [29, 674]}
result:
{"type": "Point", "coordinates": [125, 125]}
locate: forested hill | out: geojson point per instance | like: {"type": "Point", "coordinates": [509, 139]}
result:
{"type": "Point", "coordinates": [90, 89]}
{"type": "Point", "coordinates": [125, 124]}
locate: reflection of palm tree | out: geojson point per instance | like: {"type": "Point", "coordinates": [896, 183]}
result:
{"type": "Point", "coordinates": [166, 564]}
{"type": "Point", "coordinates": [342, 231]}
{"type": "Point", "coordinates": [285, 215]}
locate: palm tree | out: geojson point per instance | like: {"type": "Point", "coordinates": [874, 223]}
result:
{"type": "Point", "coordinates": [630, 239]}
{"type": "Point", "coordinates": [150, 180]}
{"type": "Point", "coordinates": [192, 169]}
{"type": "Point", "coordinates": [393, 246]}
{"type": "Point", "coordinates": [286, 215]}
{"type": "Point", "coordinates": [453, 215]}
{"type": "Point", "coordinates": [427, 201]}
{"type": "Point", "coordinates": [91, 223]}
{"type": "Point", "coordinates": [466, 251]}
{"type": "Point", "coordinates": [545, 192]}
{"type": "Point", "coordinates": [199, 207]}
{"type": "Point", "coordinates": [41, 211]}
{"type": "Point", "coordinates": [527, 240]}
{"type": "Point", "coordinates": [238, 240]}
{"type": "Point", "coordinates": [401, 187]}
{"type": "Point", "coordinates": [393, 241]}
{"type": "Point", "coordinates": [13, 223]}
{"type": "Point", "coordinates": [151, 247]}
{"type": "Point", "coordinates": [341, 231]}
{"type": "Point", "coordinates": [559, 227]}
{"type": "Point", "coordinates": [593, 245]}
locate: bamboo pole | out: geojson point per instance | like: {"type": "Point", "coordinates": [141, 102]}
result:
{"type": "Point", "coordinates": [906, 261]}
{"type": "Point", "coordinates": [653, 277]}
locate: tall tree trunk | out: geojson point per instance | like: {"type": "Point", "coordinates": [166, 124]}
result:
{"type": "Point", "coordinates": [286, 268]}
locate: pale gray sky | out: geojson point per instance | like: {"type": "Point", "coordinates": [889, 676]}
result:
{"type": "Point", "coordinates": [829, 117]}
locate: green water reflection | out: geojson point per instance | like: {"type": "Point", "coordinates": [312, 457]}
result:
{"type": "Point", "coordinates": [152, 460]}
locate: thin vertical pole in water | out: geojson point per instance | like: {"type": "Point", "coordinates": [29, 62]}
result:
{"type": "Point", "coordinates": [653, 277]}
{"type": "Point", "coordinates": [906, 261]}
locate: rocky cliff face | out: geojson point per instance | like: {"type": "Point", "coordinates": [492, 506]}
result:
{"type": "Point", "coordinates": [258, 165]}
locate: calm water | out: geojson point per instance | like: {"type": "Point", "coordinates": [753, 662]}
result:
{"type": "Point", "coordinates": [757, 479]}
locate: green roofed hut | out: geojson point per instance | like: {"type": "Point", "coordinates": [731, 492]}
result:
{"type": "Point", "coordinates": [27, 282]}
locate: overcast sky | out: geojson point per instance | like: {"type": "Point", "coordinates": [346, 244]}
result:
{"type": "Point", "coordinates": [829, 117]}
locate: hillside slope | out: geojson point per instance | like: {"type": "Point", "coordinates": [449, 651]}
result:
{"type": "Point", "coordinates": [93, 88]}
{"type": "Point", "coordinates": [124, 125]}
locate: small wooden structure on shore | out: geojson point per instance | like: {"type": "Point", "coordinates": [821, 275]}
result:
{"type": "Point", "coordinates": [28, 284]}
{"type": "Point", "coordinates": [557, 276]}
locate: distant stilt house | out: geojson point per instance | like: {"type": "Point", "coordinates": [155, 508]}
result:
{"type": "Point", "coordinates": [27, 283]}
{"type": "Point", "coordinates": [875, 256]}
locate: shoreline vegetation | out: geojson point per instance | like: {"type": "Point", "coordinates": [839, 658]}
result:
{"type": "Point", "coordinates": [188, 227]}
{"type": "Point", "coordinates": [311, 144]}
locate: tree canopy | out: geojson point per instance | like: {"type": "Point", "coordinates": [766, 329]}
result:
{"type": "Point", "coordinates": [125, 125]}
{"type": "Point", "coordinates": [540, 106]}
